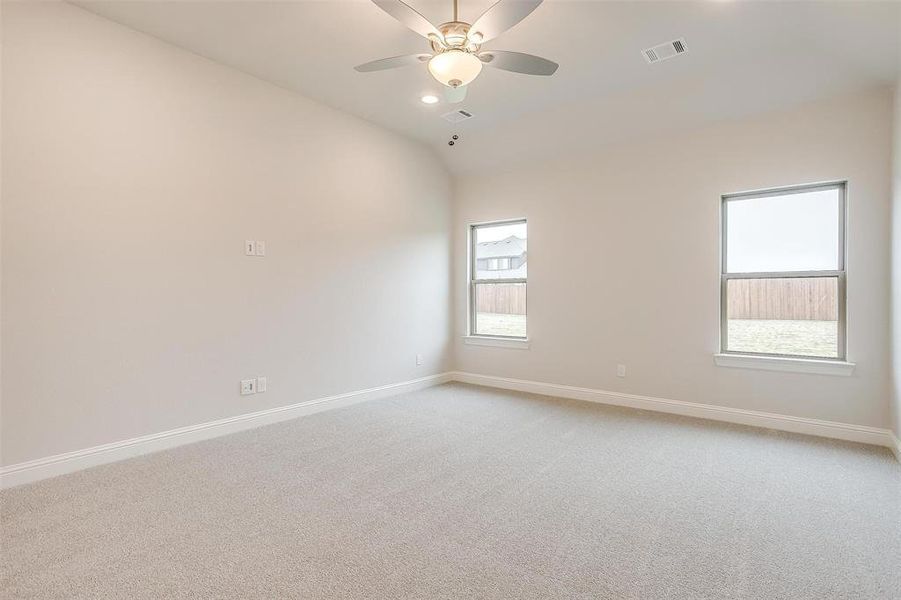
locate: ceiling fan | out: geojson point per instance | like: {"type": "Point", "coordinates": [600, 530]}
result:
{"type": "Point", "coordinates": [457, 56]}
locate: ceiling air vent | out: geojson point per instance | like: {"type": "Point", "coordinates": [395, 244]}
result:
{"type": "Point", "coordinates": [665, 51]}
{"type": "Point", "coordinates": [457, 116]}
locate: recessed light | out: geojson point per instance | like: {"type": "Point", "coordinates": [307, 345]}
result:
{"type": "Point", "coordinates": [429, 99]}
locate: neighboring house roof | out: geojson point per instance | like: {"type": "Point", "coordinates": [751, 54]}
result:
{"type": "Point", "coordinates": [509, 246]}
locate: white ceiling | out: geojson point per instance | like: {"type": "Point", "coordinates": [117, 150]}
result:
{"type": "Point", "coordinates": [744, 57]}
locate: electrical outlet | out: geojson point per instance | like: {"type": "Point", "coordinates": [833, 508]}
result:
{"type": "Point", "coordinates": [261, 248]}
{"type": "Point", "coordinates": [248, 386]}
{"type": "Point", "coordinates": [261, 384]}
{"type": "Point", "coordinates": [250, 247]}
{"type": "Point", "coordinates": [419, 360]}
{"type": "Point", "coordinates": [620, 370]}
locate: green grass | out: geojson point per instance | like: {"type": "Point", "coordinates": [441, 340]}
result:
{"type": "Point", "coordinates": [802, 338]}
{"type": "Point", "coordinates": [500, 324]}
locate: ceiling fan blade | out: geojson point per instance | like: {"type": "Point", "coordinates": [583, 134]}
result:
{"type": "Point", "coordinates": [410, 18]}
{"type": "Point", "coordinates": [518, 62]}
{"type": "Point", "coordinates": [502, 15]}
{"type": "Point", "coordinates": [393, 63]}
{"type": "Point", "coordinates": [455, 95]}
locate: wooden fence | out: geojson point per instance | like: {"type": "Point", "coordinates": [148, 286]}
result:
{"type": "Point", "coordinates": [790, 298]}
{"type": "Point", "coordinates": [799, 299]}
{"type": "Point", "coordinates": [504, 298]}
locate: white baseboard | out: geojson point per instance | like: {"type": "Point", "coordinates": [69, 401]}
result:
{"type": "Point", "coordinates": [828, 429]}
{"type": "Point", "coordinates": [69, 462]}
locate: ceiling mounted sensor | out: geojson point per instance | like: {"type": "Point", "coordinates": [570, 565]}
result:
{"type": "Point", "coordinates": [665, 51]}
{"type": "Point", "coordinates": [456, 56]}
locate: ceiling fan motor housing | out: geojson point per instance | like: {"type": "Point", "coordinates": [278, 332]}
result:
{"type": "Point", "coordinates": [456, 37]}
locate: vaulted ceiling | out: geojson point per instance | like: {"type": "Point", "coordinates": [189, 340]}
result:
{"type": "Point", "coordinates": [744, 57]}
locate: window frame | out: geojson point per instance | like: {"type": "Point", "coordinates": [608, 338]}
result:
{"type": "Point", "coordinates": [840, 273]}
{"type": "Point", "coordinates": [473, 282]}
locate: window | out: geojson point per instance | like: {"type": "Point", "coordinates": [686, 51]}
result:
{"type": "Point", "coordinates": [497, 284]}
{"type": "Point", "coordinates": [783, 273]}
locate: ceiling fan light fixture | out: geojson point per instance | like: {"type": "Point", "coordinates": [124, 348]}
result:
{"type": "Point", "coordinates": [455, 68]}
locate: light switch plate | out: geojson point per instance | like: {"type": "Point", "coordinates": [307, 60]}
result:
{"type": "Point", "coordinates": [248, 386]}
{"type": "Point", "coordinates": [250, 247]}
{"type": "Point", "coordinates": [261, 248]}
{"type": "Point", "coordinates": [261, 384]}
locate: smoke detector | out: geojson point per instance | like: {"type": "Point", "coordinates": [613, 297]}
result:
{"type": "Point", "coordinates": [456, 116]}
{"type": "Point", "coordinates": [665, 51]}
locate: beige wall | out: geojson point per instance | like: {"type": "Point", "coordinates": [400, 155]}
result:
{"type": "Point", "coordinates": [896, 254]}
{"type": "Point", "coordinates": [132, 174]}
{"type": "Point", "coordinates": [896, 262]}
{"type": "Point", "coordinates": [623, 259]}
{"type": "Point", "coordinates": [133, 171]}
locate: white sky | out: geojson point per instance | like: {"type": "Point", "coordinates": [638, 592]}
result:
{"type": "Point", "coordinates": [499, 232]}
{"type": "Point", "coordinates": [795, 232]}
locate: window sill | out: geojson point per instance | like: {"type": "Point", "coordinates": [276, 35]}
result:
{"type": "Point", "coordinates": [498, 342]}
{"type": "Point", "coordinates": [778, 363]}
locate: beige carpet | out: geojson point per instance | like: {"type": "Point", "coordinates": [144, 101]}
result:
{"type": "Point", "coordinates": [465, 492]}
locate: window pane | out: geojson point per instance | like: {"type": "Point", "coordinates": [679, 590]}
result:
{"type": "Point", "coordinates": [500, 309]}
{"type": "Point", "coordinates": [500, 251]}
{"type": "Point", "coordinates": [788, 232]}
{"type": "Point", "coordinates": [796, 315]}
